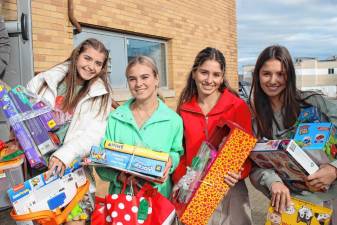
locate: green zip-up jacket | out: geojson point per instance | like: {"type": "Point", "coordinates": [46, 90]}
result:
{"type": "Point", "coordinates": [163, 131]}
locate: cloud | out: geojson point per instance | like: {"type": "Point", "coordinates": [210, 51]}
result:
{"type": "Point", "coordinates": [305, 27]}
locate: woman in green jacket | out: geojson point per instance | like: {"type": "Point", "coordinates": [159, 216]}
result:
{"type": "Point", "coordinates": [144, 121]}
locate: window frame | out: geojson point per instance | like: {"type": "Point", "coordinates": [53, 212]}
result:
{"type": "Point", "coordinates": [125, 37]}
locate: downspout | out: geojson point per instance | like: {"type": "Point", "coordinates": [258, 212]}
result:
{"type": "Point", "coordinates": [72, 19]}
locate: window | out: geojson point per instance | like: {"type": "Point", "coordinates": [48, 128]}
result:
{"type": "Point", "coordinates": [331, 71]}
{"type": "Point", "coordinates": [124, 48]}
{"type": "Point", "coordinates": [155, 50]}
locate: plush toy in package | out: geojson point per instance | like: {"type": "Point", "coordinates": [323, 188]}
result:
{"type": "Point", "coordinates": [301, 213]}
{"type": "Point", "coordinates": [232, 146]}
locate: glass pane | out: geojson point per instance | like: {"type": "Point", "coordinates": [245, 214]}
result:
{"type": "Point", "coordinates": [117, 58]}
{"type": "Point", "coordinates": [153, 49]}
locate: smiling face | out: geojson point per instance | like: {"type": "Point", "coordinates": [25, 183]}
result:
{"type": "Point", "coordinates": [142, 82]}
{"type": "Point", "coordinates": [208, 77]}
{"type": "Point", "coordinates": [272, 78]}
{"type": "Point", "coordinates": [89, 63]}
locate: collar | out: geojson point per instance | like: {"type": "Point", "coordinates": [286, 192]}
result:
{"type": "Point", "coordinates": [225, 102]}
{"type": "Point", "coordinates": [124, 113]}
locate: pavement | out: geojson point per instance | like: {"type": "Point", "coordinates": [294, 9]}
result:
{"type": "Point", "coordinates": [259, 204]}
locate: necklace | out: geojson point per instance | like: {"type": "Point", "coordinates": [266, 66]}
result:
{"type": "Point", "coordinates": [142, 115]}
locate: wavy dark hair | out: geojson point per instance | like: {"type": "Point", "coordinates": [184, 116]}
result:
{"type": "Point", "coordinates": [291, 96]}
{"type": "Point", "coordinates": [190, 88]}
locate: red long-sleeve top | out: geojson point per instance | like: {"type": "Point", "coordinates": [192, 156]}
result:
{"type": "Point", "coordinates": [197, 126]}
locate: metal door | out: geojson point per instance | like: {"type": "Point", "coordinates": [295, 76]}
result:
{"type": "Point", "coordinates": [20, 68]}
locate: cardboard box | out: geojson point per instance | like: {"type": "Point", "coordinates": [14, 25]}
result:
{"type": "Point", "coordinates": [285, 157]}
{"type": "Point", "coordinates": [310, 115]}
{"type": "Point", "coordinates": [232, 154]}
{"type": "Point", "coordinates": [25, 139]}
{"type": "Point", "coordinates": [301, 212]}
{"type": "Point", "coordinates": [34, 124]}
{"type": "Point", "coordinates": [128, 162]}
{"type": "Point", "coordinates": [318, 140]}
{"type": "Point", "coordinates": [37, 194]}
{"type": "Point", "coordinates": [136, 150]}
{"type": "Point", "coordinates": [46, 118]}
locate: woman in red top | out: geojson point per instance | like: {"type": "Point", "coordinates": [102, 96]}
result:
{"type": "Point", "coordinates": [205, 100]}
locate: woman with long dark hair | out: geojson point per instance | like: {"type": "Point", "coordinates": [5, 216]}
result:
{"type": "Point", "coordinates": [205, 100]}
{"type": "Point", "coordinates": [276, 104]}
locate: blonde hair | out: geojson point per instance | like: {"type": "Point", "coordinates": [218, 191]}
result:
{"type": "Point", "coordinates": [146, 61]}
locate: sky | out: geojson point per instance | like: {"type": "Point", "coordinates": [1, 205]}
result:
{"type": "Point", "coordinates": [308, 28]}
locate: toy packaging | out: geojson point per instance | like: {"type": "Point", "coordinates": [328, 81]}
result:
{"type": "Point", "coordinates": [233, 146]}
{"type": "Point", "coordinates": [136, 150]}
{"type": "Point", "coordinates": [38, 194]}
{"type": "Point", "coordinates": [183, 190]}
{"type": "Point", "coordinates": [310, 115]}
{"type": "Point", "coordinates": [301, 213]}
{"type": "Point", "coordinates": [31, 120]}
{"type": "Point", "coordinates": [26, 141]}
{"type": "Point", "coordinates": [34, 125]}
{"type": "Point", "coordinates": [285, 157]}
{"type": "Point", "coordinates": [128, 162]}
{"type": "Point", "coordinates": [318, 140]}
{"type": "Point", "coordinates": [9, 152]}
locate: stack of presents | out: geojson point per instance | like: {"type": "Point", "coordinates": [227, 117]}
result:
{"type": "Point", "coordinates": [32, 123]}
{"type": "Point", "coordinates": [195, 196]}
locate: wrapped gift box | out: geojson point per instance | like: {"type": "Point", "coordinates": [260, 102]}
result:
{"type": "Point", "coordinates": [318, 140]}
{"type": "Point", "coordinates": [235, 146]}
{"type": "Point", "coordinates": [301, 212]}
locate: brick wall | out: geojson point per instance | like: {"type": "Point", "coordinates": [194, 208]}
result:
{"type": "Point", "coordinates": [189, 26]}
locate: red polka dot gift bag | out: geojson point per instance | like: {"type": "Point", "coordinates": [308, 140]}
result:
{"type": "Point", "coordinates": [122, 209]}
{"type": "Point", "coordinates": [146, 206]}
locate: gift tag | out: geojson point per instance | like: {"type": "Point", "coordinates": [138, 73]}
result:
{"type": "Point", "coordinates": [143, 210]}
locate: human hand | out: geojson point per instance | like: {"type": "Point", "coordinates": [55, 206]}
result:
{"type": "Point", "coordinates": [322, 178]}
{"type": "Point", "coordinates": [122, 177]}
{"type": "Point", "coordinates": [280, 197]}
{"type": "Point", "coordinates": [56, 166]}
{"type": "Point", "coordinates": [166, 171]}
{"type": "Point", "coordinates": [232, 178]}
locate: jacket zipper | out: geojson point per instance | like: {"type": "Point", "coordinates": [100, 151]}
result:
{"type": "Point", "coordinates": [206, 127]}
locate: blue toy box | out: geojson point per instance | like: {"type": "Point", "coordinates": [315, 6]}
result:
{"type": "Point", "coordinates": [128, 162]}
{"type": "Point", "coordinates": [318, 140]}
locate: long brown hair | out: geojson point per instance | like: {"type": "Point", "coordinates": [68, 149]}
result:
{"type": "Point", "coordinates": [149, 62]}
{"type": "Point", "coordinates": [71, 79]}
{"type": "Point", "coordinates": [190, 90]}
{"type": "Point", "coordinates": [291, 96]}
